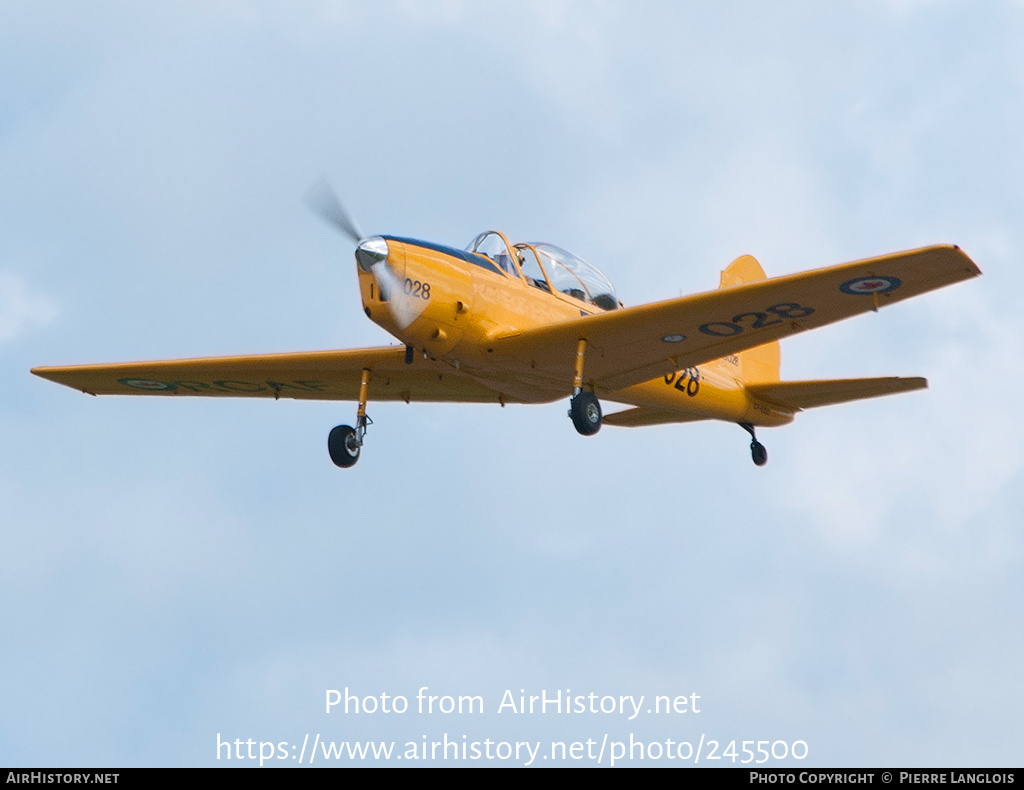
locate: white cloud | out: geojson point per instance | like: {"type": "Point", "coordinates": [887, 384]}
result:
{"type": "Point", "coordinates": [21, 308]}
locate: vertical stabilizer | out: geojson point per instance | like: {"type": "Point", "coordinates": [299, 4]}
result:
{"type": "Point", "coordinates": [761, 364]}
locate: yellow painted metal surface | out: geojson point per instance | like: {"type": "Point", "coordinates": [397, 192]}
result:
{"type": "Point", "coordinates": [481, 334]}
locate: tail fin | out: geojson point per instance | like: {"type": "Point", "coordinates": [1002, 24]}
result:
{"type": "Point", "coordinates": [761, 364]}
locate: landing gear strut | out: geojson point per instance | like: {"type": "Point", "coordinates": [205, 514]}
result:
{"type": "Point", "coordinates": [757, 450]}
{"type": "Point", "coordinates": [584, 408]}
{"type": "Point", "coordinates": [344, 442]}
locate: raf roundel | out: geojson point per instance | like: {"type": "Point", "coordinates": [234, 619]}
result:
{"type": "Point", "coordinates": [870, 285]}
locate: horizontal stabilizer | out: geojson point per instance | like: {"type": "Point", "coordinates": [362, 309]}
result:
{"type": "Point", "coordinates": [798, 395]}
{"type": "Point", "coordinates": [644, 415]}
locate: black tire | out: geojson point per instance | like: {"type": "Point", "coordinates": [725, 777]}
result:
{"type": "Point", "coordinates": [585, 411]}
{"type": "Point", "coordinates": [341, 444]}
{"type": "Point", "coordinates": [758, 453]}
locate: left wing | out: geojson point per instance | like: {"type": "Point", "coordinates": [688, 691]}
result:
{"type": "Point", "coordinates": [315, 375]}
{"type": "Point", "coordinates": [636, 344]}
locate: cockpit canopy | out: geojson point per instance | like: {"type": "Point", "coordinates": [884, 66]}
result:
{"type": "Point", "coordinates": [547, 267]}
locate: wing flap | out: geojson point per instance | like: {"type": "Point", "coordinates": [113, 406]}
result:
{"type": "Point", "coordinates": [636, 344]}
{"type": "Point", "coordinates": [796, 395]}
{"type": "Point", "coordinates": [315, 375]}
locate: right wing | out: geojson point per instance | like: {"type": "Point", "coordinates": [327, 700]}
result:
{"type": "Point", "coordinates": [636, 344]}
{"type": "Point", "coordinates": [314, 375]}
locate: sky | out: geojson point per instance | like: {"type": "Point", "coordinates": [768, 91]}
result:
{"type": "Point", "coordinates": [185, 582]}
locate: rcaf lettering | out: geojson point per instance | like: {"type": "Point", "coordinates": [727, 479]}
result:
{"type": "Point", "coordinates": [195, 386]}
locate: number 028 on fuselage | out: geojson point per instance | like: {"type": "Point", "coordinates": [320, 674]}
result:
{"type": "Point", "coordinates": [532, 323]}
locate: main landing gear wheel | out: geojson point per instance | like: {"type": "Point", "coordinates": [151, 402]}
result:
{"type": "Point", "coordinates": [585, 410]}
{"type": "Point", "coordinates": [757, 450]}
{"type": "Point", "coordinates": [343, 445]}
{"type": "Point", "coordinates": [345, 442]}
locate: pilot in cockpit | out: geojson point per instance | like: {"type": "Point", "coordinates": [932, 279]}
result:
{"type": "Point", "coordinates": [504, 261]}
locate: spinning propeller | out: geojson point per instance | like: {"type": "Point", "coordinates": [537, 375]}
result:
{"type": "Point", "coordinates": [371, 255]}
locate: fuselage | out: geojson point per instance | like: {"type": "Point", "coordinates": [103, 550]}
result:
{"type": "Point", "coordinates": [452, 304]}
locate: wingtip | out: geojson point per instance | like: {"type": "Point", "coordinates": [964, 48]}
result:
{"type": "Point", "coordinates": [971, 269]}
{"type": "Point", "coordinates": [45, 372]}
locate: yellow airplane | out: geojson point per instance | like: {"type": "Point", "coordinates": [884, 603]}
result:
{"type": "Point", "coordinates": [531, 323]}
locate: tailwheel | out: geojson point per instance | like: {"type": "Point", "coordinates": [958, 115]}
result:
{"type": "Point", "coordinates": [757, 450]}
{"type": "Point", "coordinates": [585, 410]}
{"type": "Point", "coordinates": [343, 445]}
